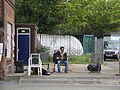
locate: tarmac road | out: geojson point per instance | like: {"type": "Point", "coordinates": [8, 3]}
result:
{"type": "Point", "coordinates": [30, 86]}
{"type": "Point", "coordinates": [113, 64]}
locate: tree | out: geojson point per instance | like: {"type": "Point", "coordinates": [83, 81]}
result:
{"type": "Point", "coordinates": [70, 16]}
{"type": "Point", "coordinates": [39, 12]}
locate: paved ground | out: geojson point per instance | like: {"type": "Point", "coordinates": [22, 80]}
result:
{"type": "Point", "coordinates": [78, 78]}
{"type": "Point", "coordinates": [77, 75]}
{"type": "Point", "coordinates": [32, 86]}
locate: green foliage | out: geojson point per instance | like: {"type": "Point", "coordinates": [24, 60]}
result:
{"type": "Point", "coordinates": [72, 17]}
{"type": "Point", "coordinates": [83, 59]}
{"type": "Point", "coordinates": [42, 49]}
{"type": "Point", "coordinates": [50, 58]}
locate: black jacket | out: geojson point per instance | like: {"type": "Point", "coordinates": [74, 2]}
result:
{"type": "Point", "coordinates": [57, 54]}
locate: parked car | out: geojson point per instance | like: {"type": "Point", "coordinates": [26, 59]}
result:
{"type": "Point", "coordinates": [111, 50]}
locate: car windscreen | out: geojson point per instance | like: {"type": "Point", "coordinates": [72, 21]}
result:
{"type": "Point", "coordinates": [111, 45]}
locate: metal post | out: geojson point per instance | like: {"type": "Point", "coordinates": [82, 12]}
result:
{"type": "Point", "coordinates": [70, 44]}
{"type": "Point", "coordinates": [119, 65]}
{"type": "Point", "coordinates": [119, 59]}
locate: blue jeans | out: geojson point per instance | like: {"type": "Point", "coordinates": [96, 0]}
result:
{"type": "Point", "coordinates": [62, 62]}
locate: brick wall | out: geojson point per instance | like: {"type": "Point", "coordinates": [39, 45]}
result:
{"type": "Point", "coordinates": [1, 69]}
{"type": "Point", "coordinates": [0, 10]}
{"type": "Point", "coordinates": [9, 18]}
{"type": "Point", "coordinates": [9, 15]}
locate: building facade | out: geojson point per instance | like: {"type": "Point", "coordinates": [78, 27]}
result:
{"type": "Point", "coordinates": [7, 32]}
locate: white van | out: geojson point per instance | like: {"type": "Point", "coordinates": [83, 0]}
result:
{"type": "Point", "coordinates": [111, 49]}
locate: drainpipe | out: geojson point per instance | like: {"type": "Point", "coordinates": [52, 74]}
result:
{"type": "Point", "coordinates": [3, 12]}
{"type": "Point", "coordinates": [3, 31]}
{"type": "Point", "coordinates": [2, 22]}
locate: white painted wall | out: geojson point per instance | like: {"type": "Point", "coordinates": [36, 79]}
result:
{"type": "Point", "coordinates": [72, 45]}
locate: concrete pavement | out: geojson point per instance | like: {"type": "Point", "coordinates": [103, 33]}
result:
{"type": "Point", "coordinates": [78, 78]}
{"type": "Point", "coordinates": [77, 75]}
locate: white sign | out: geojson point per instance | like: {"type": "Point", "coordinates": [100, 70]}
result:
{"type": "Point", "coordinates": [0, 57]}
{"type": "Point", "coordinates": [9, 40]}
{"type": "Point", "coordinates": [1, 48]}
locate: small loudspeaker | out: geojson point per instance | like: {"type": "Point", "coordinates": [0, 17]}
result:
{"type": "Point", "coordinates": [19, 67]}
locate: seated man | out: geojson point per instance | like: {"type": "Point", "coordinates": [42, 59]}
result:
{"type": "Point", "coordinates": [61, 58]}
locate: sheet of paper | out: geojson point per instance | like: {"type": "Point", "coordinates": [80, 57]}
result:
{"type": "Point", "coordinates": [0, 57]}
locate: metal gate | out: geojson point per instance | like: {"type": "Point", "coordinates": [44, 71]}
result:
{"type": "Point", "coordinates": [87, 42]}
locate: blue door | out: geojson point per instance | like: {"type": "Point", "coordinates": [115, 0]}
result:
{"type": "Point", "coordinates": [23, 48]}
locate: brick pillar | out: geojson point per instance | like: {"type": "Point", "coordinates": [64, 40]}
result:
{"type": "Point", "coordinates": [2, 71]}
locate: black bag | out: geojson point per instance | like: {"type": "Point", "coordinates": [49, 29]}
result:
{"type": "Point", "coordinates": [93, 68]}
{"type": "Point", "coordinates": [44, 72]}
{"type": "Point", "coordinates": [19, 67]}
